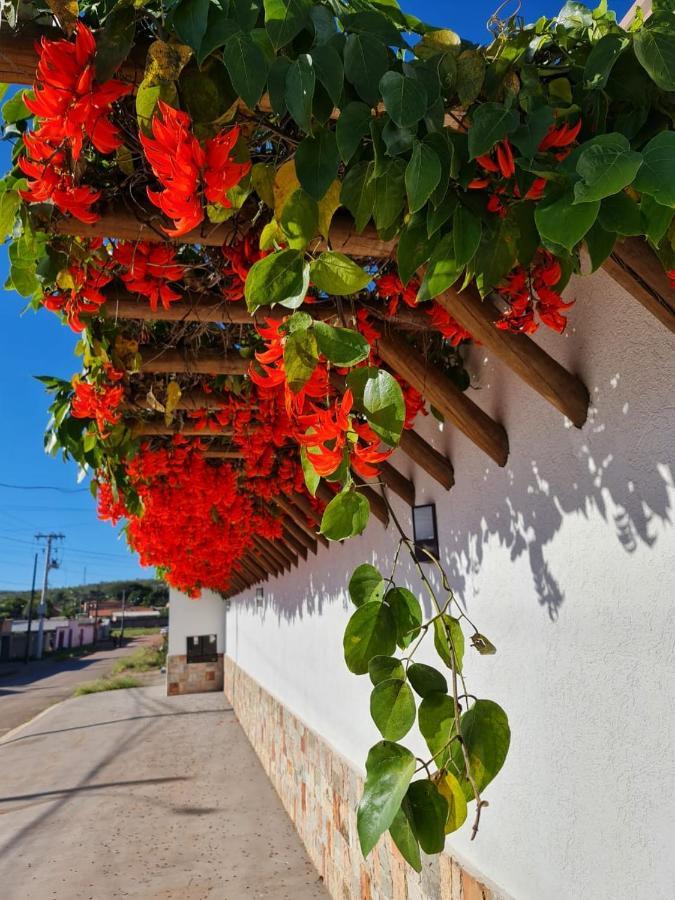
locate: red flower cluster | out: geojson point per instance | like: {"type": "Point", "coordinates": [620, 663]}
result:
{"type": "Point", "coordinates": [392, 288]}
{"type": "Point", "coordinates": [188, 172]}
{"type": "Point", "coordinates": [527, 290]}
{"type": "Point", "coordinates": [99, 403]}
{"type": "Point", "coordinates": [148, 269]}
{"type": "Point", "coordinates": [499, 168]}
{"type": "Point", "coordinates": [72, 108]}
{"type": "Point", "coordinates": [241, 255]}
{"type": "Point", "coordinates": [83, 296]}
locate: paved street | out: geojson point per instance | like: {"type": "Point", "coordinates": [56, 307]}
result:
{"type": "Point", "coordinates": [133, 794]}
{"type": "Point", "coordinates": [25, 690]}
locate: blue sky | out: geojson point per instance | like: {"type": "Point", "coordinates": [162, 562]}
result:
{"type": "Point", "coordinates": [35, 344]}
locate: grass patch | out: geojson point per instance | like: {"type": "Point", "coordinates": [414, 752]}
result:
{"type": "Point", "coordinates": [106, 684]}
{"type": "Point", "coordinates": [137, 632]}
{"type": "Point", "coordinates": [143, 660]}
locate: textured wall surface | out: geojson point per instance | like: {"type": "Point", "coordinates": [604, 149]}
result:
{"type": "Point", "coordinates": [183, 677]}
{"type": "Point", "coordinates": [564, 558]}
{"type": "Point", "coordinates": [320, 790]}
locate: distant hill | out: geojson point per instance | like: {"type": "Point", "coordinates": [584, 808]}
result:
{"type": "Point", "coordinates": [67, 600]}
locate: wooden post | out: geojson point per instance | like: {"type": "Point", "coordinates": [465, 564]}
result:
{"type": "Point", "coordinates": [520, 353]}
{"type": "Point", "coordinates": [208, 362]}
{"type": "Point", "coordinates": [487, 434]}
{"type": "Point", "coordinates": [638, 270]}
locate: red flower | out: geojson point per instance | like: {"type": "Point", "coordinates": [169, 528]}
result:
{"type": "Point", "coordinates": [51, 181]}
{"type": "Point", "coordinates": [85, 297]}
{"type": "Point", "coordinates": [187, 172]}
{"type": "Point", "coordinates": [240, 256]}
{"type": "Point", "coordinates": [391, 288]}
{"type": "Point", "coordinates": [99, 403]}
{"type": "Point", "coordinates": [442, 321]}
{"type": "Point", "coordinates": [149, 268]}
{"type": "Point", "coordinates": [560, 136]}
{"type": "Point", "coordinates": [671, 277]}
{"type": "Point", "coordinates": [528, 290]}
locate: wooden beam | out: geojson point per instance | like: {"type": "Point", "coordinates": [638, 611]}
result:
{"type": "Point", "coordinates": [299, 518]}
{"type": "Point", "coordinates": [118, 222]}
{"type": "Point", "coordinates": [297, 545]}
{"type": "Point", "coordinates": [152, 428]}
{"type": "Point", "coordinates": [255, 567]}
{"type": "Point", "coordinates": [398, 483]}
{"type": "Point", "coordinates": [208, 362]}
{"type": "Point", "coordinates": [270, 564]}
{"type": "Point", "coordinates": [283, 550]}
{"type": "Point", "coordinates": [427, 457]}
{"type": "Point", "coordinates": [221, 454]}
{"type": "Point", "coordinates": [519, 352]}
{"type": "Point", "coordinates": [638, 270]}
{"type": "Point", "coordinates": [300, 534]}
{"type": "Point", "coordinates": [459, 409]}
{"type": "Point", "coordinates": [283, 563]}
{"type": "Point", "coordinates": [306, 507]}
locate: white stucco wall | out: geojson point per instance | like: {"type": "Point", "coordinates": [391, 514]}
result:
{"type": "Point", "coordinates": [564, 558]}
{"type": "Point", "coordinates": [195, 617]}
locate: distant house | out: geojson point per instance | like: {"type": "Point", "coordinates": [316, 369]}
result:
{"type": "Point", "coordinates": [59, 634]}
{"type": "Point", "coordinates": [139, 618]}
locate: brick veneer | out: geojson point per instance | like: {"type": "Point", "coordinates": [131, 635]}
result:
{"type": "Point", "coordinates": [320, 791]}
{"type": "Point", "coordinates": [193, 678]}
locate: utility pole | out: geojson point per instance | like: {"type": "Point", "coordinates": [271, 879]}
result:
{"type": "Point", "coordinates": [124, 605]}
{"type": "Point", "coordinates": [42, 608]}
{"type": "Point", "coordinates": [30, 611]}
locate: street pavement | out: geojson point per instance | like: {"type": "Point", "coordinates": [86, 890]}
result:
{"type": "Point", "coordinates": [27, 689]}
{"type": "Point", "coordinates": [134, 794]}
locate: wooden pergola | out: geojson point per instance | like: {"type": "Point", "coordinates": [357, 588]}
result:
{"type": "Point", "coordinates": [632, 264]}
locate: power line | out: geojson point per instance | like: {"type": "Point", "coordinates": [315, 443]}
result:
{"type": "Point", "coordinates": [43, 487]}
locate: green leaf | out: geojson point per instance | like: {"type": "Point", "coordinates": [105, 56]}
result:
{"type": "Point", "coordinates": [601, 59]}
{"type": "Point", "coordinates": [366, 584]}
{"type": "Point", "coordinates": [246, 66]}
{"type": "Point", "coordinates": [497, 252]}
{"type": "Point", "coordinates": [466, 230]}
{"type": "Point", "coordinates": [437, 724]}
{"type": "Point", "coordinates": [422, 174]}
{"type": "Point", "coordinates": [442, 271]}
{"type": "Point", "coordinates": [206, 93]}
{"type": "Point", "coordinates": [389, 194]}
{"type": "Point", "coordinates": [341, 346]}
{"type": "Point", "coordinates": [530, 134]}
{"type": "Point", "coordinates": [484, 645]}
{"type": "Point", "coordinates": [300, 358]}
{"type": "Point", "coordinates": [407, 614]}
{"type": "Point", "coordinates": [190, 19]}
{"type": "Point", "coordinates": [358, 194]}
{"type": "Point", "coordinates": [491, 123]}
{"type": "Point", "coordinates": [352, 126]}
{"type": "Point", "coordinates": [274, 278]}
{"type": "Point", "coordinates": [378, 395]}
{"type": "Point", "coordinates": [621, 214]}
{"type": "Point", "coordinates": [375, 23]}
{"type": "Point", "coordinates": [337, 274]}
{"type": "Point", "coordinates": [439, 215]}
{"type": "Point", "coordinates": [246, 12]}
{"type": "Point", "coordinates": [429, 811]}
{"type": "Point", "coordinates": [14, 110]}
{"type": "Point", "coordinates": [562, 221]}
{"type": "Point", "coordinates": [389, 768]}
{"type": "Point", "coordinates": [426, 680]}
{"type": "Point", "coordinates": [381, 668]}
{"type": "Point", "coordinates": [392, 708]}
{"type": "Point", "coordinates": [329, 71]}
{"type": "Point", "coordinates": [606, 169]}
{"type": "Point", "coordinates": [450, 788]}
{"type": "Point", "coordinates": [656, 219]}
{"type": "Point", "coordinates": [219, 28]}
{"type": "Point", "coordinates": [656, 176]}
{"type": "Point", "coordinates": [486, 733]}
{"type": "Point", "coordinates": [276, 84]}
{"type": "Point", "coordinates": [370, 632]}
{"type": "Point", "coordinates": [397, 140]}
{"type": "Point", "coordinates": [599, 243]}
{"type": "Point", "coordinates": [366, 61]}
{"type": "Point", "coordinates": [300, 84]}
{"type": "Point", "coordinates": [404, 99]}
{"type": "Point", "coordinates": [402, 835]}
{"type": "Point", "coordinates": [316, 162]}
{"type": "Point", "coordinates": [470, 76]}
{"type": "Point", "coordinates": [655, 50]}
{"type": "Point", "coordinates": [10, 202]}
{"type": "Point", "coordinates": [345, 516]}
{"type": "Point", "coordinates": [309, 472]}
{"type": "Point", "coordinates": [448, 636]}
{"type": "Point", "coordinates": [114, 41]}
{"type": "Point", "coordinates": [413, 248]}
{"type": "Point", "coordinates": [284, 19]}
{"type": "Point", "coordinates": [300, 219]}
{"type": "Point", "coordinates": [436, 42]}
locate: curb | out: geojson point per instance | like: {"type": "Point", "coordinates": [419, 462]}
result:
{"type": "Point", "coordinates": [43, 712]}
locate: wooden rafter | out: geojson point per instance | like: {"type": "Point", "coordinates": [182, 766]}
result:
{"type": "Point", "coordinates": [299, 518]}
{"type": "Point", "coordinates": [207, 362]}
{"type": "Point", "coordinates": [636, 267]}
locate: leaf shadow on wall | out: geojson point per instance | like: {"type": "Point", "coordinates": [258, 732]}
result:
{"type": "Point", "coordinates": [617, 467]}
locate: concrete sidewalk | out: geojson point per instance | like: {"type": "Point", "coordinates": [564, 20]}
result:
{"type": "Point", "coordinates": [133, 794]}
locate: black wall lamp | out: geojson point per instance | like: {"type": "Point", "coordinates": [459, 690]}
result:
{"type": "Point", "coordinates": [425, 532]}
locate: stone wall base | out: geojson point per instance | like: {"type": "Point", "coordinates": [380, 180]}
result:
{"type": "Point", "coordinates": [320, 791]}
{"type": "Point", "coordinates": [193, 678]}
